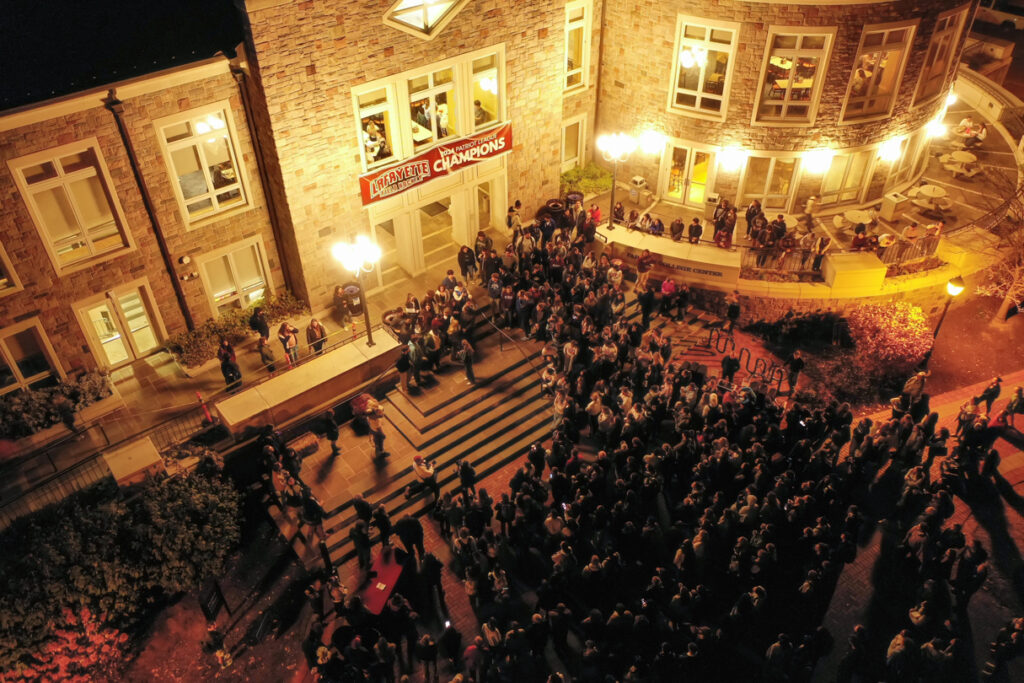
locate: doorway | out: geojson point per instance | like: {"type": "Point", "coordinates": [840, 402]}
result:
{"type": "Point", "coordinates": [483, 206]}
{"type": "Point", "coordinates": [687, 176]}
{"type": "Point", "coordinates": [436, 225]}
{"type": "Point", "coordinates": [120, 326]}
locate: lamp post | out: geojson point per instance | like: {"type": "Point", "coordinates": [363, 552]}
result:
{"type": "Point", "coordinates": [358, 258]}
{"type": "Point", "coordinates": [615, 147]}
{"type": "Point", "coordinates": [953, 289]}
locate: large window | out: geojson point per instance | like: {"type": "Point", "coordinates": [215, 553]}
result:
{"type": "Point", "coordinates": [844, 180]}
{"type": "Point", "coordinates": [236, 277]}
{"type": "Point", "coordinates": [27, 360]}
{"type": "Point", "coordinates": [410, 112]}
{"type": "Point", "coordinates": [573, 131]}
{"type": "Point", "coordinates": [796, 67]}
{"type": "Point", "coordinates": [71, 200]}
{"type": "Point", "coordinates": [703, 64]}
{"type": "Point", "coordinates": [422, 18]}
{"type": "Point", "coordinates": [877, 69]}
{"type": "Point", "coordinates": [577, 43]}
{"type": "Point", "coordinates": [203, 160]}
{"type": "Point", "coordinates": [940, 52]}
{"type": "Point", "coordinates": [9, 282]}
{"type": "Point", "coordinates": [770, 180]}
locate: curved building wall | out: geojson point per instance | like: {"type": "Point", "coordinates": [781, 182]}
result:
{"type": "Point", "coordinates": [775, 80]}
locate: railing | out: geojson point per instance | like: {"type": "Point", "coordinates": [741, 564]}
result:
{"type": "Point", "coordinates": [905, 251]}
{"type": "Point", "coordinates": [764, 370]}
{"type": "Point", "coordinates": [55, 488]}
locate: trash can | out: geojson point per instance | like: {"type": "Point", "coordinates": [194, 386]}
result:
{"type": "Point", "coordinates": [355, 295]}
{"type": "Point", "coordinates": [892, 204]}
{"type": "Point", "coordinates": [710, 204]}
{"type": "Point", "coordinates": [637, 184]}
{"type": "Point", "coordinates": [573, 198]}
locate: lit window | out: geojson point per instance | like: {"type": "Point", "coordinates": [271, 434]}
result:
{"type": "Point", "coordinates": [577, 43]}
{"type": "Point", "coordinates": [940, 52]}
{"type": "Point", "coordinates": [845, 178]}
{"type": "Point", "coordinates": [769, 180]}
{"type": "Point", "coordinates": [422, 18]}
{"type": "Point", "coordinates": [791, 83]}
{"type": "Point", "coordinates": [432, 107]}
{"type": "Point", "coordinates": [26, 358]}
{"type": "Point", "coordinates": [876, 72]}
{"type": "Point", "coordinates": [486, 101]}
{"type": "Point", "coordinates": [236, 278]}
{"type": "Point", "coordinates": [204, 163]}
{"type": "Point", "coordinates": [702, 67]}
{"type": "Point", "coordinates": [573, 143]}
{"type": "Point", "coordinates": [72, 203]}
{"type": "Point", "coordinates": [375, 122]}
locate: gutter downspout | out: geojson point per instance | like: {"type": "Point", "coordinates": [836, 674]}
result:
{"type": "Point", "coordinates": [116, 108]}
{"type": "Point", "coordinates": [600, 67]}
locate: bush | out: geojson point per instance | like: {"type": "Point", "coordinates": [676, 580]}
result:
{"type": "Point", "coordinates": [806, 331]}
{"type": "Point", "coordinates": [197, 346]}
{"type": "Point", "coordinates": [114, 555]}
{"type": "Point", "coordinates": [29, 411]}
{"type": "Point", "coordinates": [83, 649]}
{"type": "Point", "coordinates": [589, 179]}
{"type": "Point", "coordinates": [891, 339]}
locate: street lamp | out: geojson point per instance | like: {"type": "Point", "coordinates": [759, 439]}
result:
{"type": "Point", "coordinates": [615, 148]}
{"type": "Point", "coordinates": [953, 288]}
{"type": "Point", "coordinates": [358, 258]}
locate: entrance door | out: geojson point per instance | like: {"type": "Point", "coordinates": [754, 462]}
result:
{"type": "Point", "coordinates": [121, 327]}
{"type": "Point", "coordinates": [769, 180]}
{"type": "Point", "coordinates": [483, 206]}
{"type": "Point", "coordinates": [436, 231]}
{"type": "Point", "coordinates": [687, 176]}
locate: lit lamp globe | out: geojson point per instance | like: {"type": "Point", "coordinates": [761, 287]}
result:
{"type": "Point", "coordinates": [955, 286]}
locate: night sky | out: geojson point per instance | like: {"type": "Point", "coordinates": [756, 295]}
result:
{"type": "Point", "coordinates": [48, 49]}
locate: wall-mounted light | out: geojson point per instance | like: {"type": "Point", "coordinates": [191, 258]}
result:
{"type": "Point", "coordinates": [652, 142]}
{"type": "Point", "coordinates": [935, 128]}
{"type": "Point", "coordinates": [818, 160]}
{"type": "Point", "coordinates": [693, 56]}
{"type": "Point", "coordinates": [732, 158]}
{"type": "Point", "coordinates": [891, 149]}
{"type": "Point", "coordinates": [951, 99]}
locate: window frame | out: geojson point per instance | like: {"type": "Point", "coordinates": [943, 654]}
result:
{"type": "Point", "coordinates": [910, 26]}
{"type": "Point", "coordinates": [794, 181]}
{"type": "Point", "coordinates": [430, 93]}
{"type": "Point", "coordinates": [397, 88]}
{"type": "Point", "coordinates": [430, 32]}
{"type": "Point", "coordinates": [223, 108]}
{"type": "Point", "coordinates": [581, 152]}
{"type": "Point", "coordinates": [813, 104]}
{"type": "Point", "coordinates": [227, 251]}
{"type": "Point", "coordinates": [47, 348]}
{"type": "Point", "coordinates": [680, 42]}
{"type": "Point", "coordinates": [52, 155]}
{"type": "Point", "coordinates": [865, 180]}
{"type": "Point", "coordinates": [12, 276]}
{"type": "Point", "coordinates": [952, 34]}
{"type": "Point", "coordinates": [571, 25]}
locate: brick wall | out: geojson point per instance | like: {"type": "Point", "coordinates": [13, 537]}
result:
{"type": "Point", "coordinates": [51, 297]}
{"type": "Point", "coordinates": [311, 54]}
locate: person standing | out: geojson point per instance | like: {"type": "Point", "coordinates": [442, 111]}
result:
{"type": "Point", "coordinates": [267, 355]}
{"type": "Point", "coordinates": [645, 299]}
{"type": "Point", "coordinates": [287, 335]}
{"type": "Point", "coordinates": [382, 523]}
{"type": "Point", "coordinates": [752, 211]}
{"type": "Point", "coordinates": [316, 336]}
{"type": "Point", "coordinates": [361, 542]}
{"type": "Point", "coordinates": [990, 393]}
{"type": "Point", "coordinates": [404, 367]}
{"type": "Point", "coordinates": [229, 366]}
{"type": "Point", "coordinates": [730, 366]}
{"type": "Point", "coordinates": [343, 306]}
{"type": "Point", "coordinates": [732, 310]}
{"type": "Point", "coordinates": [331, 431]}
{"type": "Point", "coordinates": [373, 419]}
{"type": "Point", "coordinates": [427, 476]}
{"type": "Point", "coordinates": [821, 246]}
{"type": "Point", "coordinates": [644, 265]}
{"type": "Point", "coordinates": [465, 354]}
{"type": "Point", "coordinates": [695, 231]}
{"type": "Point", "coordinates": [795, 364]}
{"type": "Point", "coordinates": [258, 323]}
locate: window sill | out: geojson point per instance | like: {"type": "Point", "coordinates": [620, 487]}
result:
{"type": "Point", "coordinates": [872, 118]}
{"type": "Point", "coordinates": [575, 90]}
{"type": "Point", "coordinates": [216, 217]}
{"type": "Point", "coordinates": [693, 113]}
{"type": "Point", "coordinates": [781, 123]}
{"type": "Point", "coordinates": [63, 271]}
{"type": "Point", "coordinates": [13, 289]}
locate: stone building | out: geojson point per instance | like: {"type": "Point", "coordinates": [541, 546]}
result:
{"type": "Point", "coordinates": [417, 122]}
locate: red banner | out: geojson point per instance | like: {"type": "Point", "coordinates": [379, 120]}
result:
{"type": "Point", "coordinates": [435, 163]}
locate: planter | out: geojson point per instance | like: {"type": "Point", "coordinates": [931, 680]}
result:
{"type": "Point", "coordinates": [93, 412]}
{"type": "Point", "coordinates": [196, 370]}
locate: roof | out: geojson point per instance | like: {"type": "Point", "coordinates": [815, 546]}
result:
{"type": "Point", "coordinates": [49, 50]}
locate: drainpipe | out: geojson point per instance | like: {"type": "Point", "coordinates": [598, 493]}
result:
{"type": "Point", "coordinates": [600, 68]}
{"type": "Point", "coordinates": [268, 196]}
{"type": "Point", "coordinates": [116, 108]}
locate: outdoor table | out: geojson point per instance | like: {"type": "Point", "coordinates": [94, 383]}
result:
{"type": "Point", "coordinates": [931, 191]}
{"type": "Point", "coordinates": [856, 216]}
{"type": "Point", "coordinates": [388, 566]}
{"type": "Point", "coordinates": [962, 157]}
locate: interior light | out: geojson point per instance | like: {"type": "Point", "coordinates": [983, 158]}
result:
{"type": "Point", "coordinates": [891, 149]}
{"type": "Point", "coordinates": [693, 56]}
{"type": "Point", "coordinates": [818, 160]}
{"type": "Point", "coordinates": [652, 142]}
{"type": "Point", "coordinates": [732, 158]}
{"type": "Point", "coordinates": [202, 127]}
{"type": "Point", "coordinates": [215, 122]}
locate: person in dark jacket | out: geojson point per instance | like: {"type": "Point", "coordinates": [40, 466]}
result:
{"type": "Point", "coordinates": [331, 431]}
{"type": "Point", "coordinates": [695, 231]}
{"type": "Point", "coordinates": [258, 322]}
{"type": "Point", "coordinates": [467, 262]}
{"type": "Point", "coordinates": [410, 531]}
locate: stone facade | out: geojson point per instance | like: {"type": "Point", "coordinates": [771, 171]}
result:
{"type": "Point", "coordinates": [311, 54]}
{"type": "Point", "coordinates": [51, 296]}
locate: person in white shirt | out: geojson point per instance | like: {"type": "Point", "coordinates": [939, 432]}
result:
{"type": "Point", "coordinates": [966, 126]}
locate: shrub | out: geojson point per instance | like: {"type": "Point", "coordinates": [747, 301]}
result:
{"type": "Point", "coordinates": [891, 339]}
{"type": "Point", "coordinates": [197, 346]}
{"type": "Point", "coordinates": [83, 649]}
{"type": "Point", "coordinates": [805, 331]}
{"type": "Point", "coordinates": [589, 179]}
{"type": "Point", "coordinates": [32, 410]}
{"type": "Point", "coordinates": [103, 551]}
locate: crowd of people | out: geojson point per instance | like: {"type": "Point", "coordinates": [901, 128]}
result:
{"type": "Point", "coordinates": [677, 525]}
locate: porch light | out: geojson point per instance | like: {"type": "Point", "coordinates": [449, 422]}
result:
{"type": "Point", "coordinates": [891, 149]}
{"type": "Point", "coordinates": [818, 160]}
{"type": "Point", "coordinates": [652, 142]}
{"type": "Point", "coordinates": [732, 158]}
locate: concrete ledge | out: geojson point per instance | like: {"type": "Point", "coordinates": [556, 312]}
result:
{"type": "Point", "coordinates": [309, 385]}
{"type": "Point", "coordinates": [698, 265]}
{"type": "Point", "coordinates": [134, 462]}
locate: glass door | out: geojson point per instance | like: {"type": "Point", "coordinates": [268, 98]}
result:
{"type": "Point", "coordinates": [769, 180]}
{"type": "Point", "coordinates": [483, 206]}
{"type": "Point", "coordinates": [107, 330]}
{"type": "Point", "coordinates": [141, 335]}
{"type": "Point", "coordinates": [688, 179]}
{"type": "Point", "coordinates": [121, 326]}
{"type": "Point", "coordinates": [436, 225]}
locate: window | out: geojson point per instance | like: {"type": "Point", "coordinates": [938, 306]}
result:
{"type": "Point", "coordinates": [876, 72]}
{"type": "Point", "coordinates": [27, 360]}
{"type": "Point", "coordinates": [940, 52]}
{"type": "Point", "coordinates": [845, 177]}
{"type": "Point", "coordinates": [486, 103]}
{"type": "Point", "coordinates": [422, 18]}
{"type": "Point", "coordinates": [432, 107]}
{"type": "Point", "coordinates": [71, 200]}
{"type": "Point", "coordinates": [702, 74]}
{"type": "Point", "coordinates": [573, 142]}
{"type": "Point", "coordinates": [9, 282]}
{"type": "Point", "coordinates": [237, 277]}
{"type": "Point", "coordinates": [376, 125]}
{"type": "Point", "coordinates": [770, 180]}
{"type": "Point", "coordinates": [903, 169]}
{"type": "Point", "coordinates": [793, 75]}
{"type": "Point", "coordinates": [577, 44]}
{"type": "Point", "coordinates": [203, 160]}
